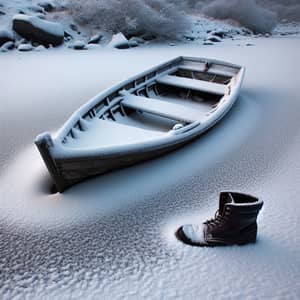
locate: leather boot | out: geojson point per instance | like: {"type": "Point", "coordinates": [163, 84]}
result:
{"type": "Point", "coordinates": [234, 223]}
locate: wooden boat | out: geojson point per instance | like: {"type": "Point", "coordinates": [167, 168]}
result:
{"type": "Point", "coordinates": [143, 117]}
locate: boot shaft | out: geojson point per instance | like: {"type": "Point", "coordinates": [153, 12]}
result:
{"type": "Point", "coordinates": [237, 216]}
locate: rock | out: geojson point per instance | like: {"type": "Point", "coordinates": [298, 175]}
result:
{"type": "Point", "coordinates": [7, 46]}
{"type": "Point", "coordinates": [79, 45]}
{"type": "Point", "coordinates": [36, 8]}
{"type": "Point", "coordinates": [137, 40]}
{"type": "Point", "coordinates": [189, 37]}
{"type": "Point", "coordinates": [25, 47]}
{"type": "Point", "coordinates": [5, 36]}
{"type": "Point", "coordinates": [149, 37]}
{"type": "Point", "coordinates": [250, 44]}
{"type": "Point", "coordinates": [208, 43]}
{"type": "Point", "coordinates": [133, 44]}
{"type": "Point", "coordinates": [219, 33]}
{"type": "Point", "coordinates": [213, 38]}
{"type": "Point", "coordinates": [2, 13]}
{"type": "Point", "coordinates": [74, 27]}
{"type": "Point", "coordinates": [39, 48]}
{"type": "Point", "coordinates": [95, 39]}
{"type": "Point", "coordinates": [38, 30]}
{"type": "Point", "coordinates": [119, 41]}
{"type": "Point", "coordinates": [47, 5]}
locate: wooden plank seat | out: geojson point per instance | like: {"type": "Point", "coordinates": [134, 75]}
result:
{"type": "Point", "coordinates": [193, 84]}
{"type": "Point", "coordinates": [161, 108]}
{"type": "Point", "coordinates": [217, 70]}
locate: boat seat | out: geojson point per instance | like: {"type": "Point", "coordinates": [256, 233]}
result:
{"type": "Point", "coordinates": [161, 108]}
{"type": "Point", "coordinates": [217, 70]}
{"type": "Point", "coordinates": [193, 84]}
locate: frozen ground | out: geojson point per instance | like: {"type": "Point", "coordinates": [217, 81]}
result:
{"type": "Point", "coordinates": [113, 237]}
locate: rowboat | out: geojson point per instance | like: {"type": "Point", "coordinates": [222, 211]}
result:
{"type": "Point", "coordinates": [141, 118]}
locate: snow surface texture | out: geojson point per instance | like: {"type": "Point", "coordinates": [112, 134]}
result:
{"type": "Point", "coordinates": [113, 237]}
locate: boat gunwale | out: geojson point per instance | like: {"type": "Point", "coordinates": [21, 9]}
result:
{"type": "Point", "coordinates": [96, 100]}
{"type": "Point", "coordinates": [61, 152]}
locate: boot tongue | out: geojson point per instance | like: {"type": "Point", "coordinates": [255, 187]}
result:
{"type": "Point", "coordinates": [224, 198]}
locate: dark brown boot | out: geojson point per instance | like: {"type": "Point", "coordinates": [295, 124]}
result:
{"type": "Point", "coordinates": [234, 223]}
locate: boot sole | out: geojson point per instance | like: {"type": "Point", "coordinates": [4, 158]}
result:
{"type": "Point", "coordinates": [247, 238]}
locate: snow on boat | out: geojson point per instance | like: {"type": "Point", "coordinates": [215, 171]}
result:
{"type": "Point", "coordinates": [141, 118]}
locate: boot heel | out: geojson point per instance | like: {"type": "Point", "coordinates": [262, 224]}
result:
{"type": "Point", "coordinates": [247, 238]}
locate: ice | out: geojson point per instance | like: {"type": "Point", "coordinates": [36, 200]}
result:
{"type": "Point", "coordinates": [112, 237]}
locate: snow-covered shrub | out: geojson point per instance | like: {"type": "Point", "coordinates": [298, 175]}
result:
{"type": "Point", "coordinates": [158, 17]}
{"type": "Point", "coordinates": [248, 13]}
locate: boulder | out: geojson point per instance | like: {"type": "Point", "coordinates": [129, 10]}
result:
{"type": "Point", "coordinates": [138, 40]}
{"type": "Point", "coordinates": [7, 46]}
{"type": "Point", "coordinates": [213, 38]}
{"type": "Point", "coordinates": [5, 36]}
{"type": "Point", "coordinates": [119, 41]}
{"type": "Point", "coordinates": [38, 30]}
{"type": "Point", "coordinates": [79, 45]}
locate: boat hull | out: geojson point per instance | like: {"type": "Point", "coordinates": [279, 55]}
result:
{"type": "Point", "coordinates": [70, 166]}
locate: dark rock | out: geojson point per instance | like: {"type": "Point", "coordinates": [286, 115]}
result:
{"type": "Point", "coordinates": [219, 33]}
{"type": "Point", "coordinates": [36, 8]}
{"type": "Point", "coordinates": [38, 30]}
{"type": "Point", "coordinates": [95, 39]}
{"type": "Point", "coordinates": [2, 13]}
{"type": "Point", "coordinates": [47, 5]}
{"type": "Point", "coordinates": [149, 37]}
{"type": "Point", "coordinates": [5, 36]}
{"type": "Point", "coordinates": [213, 38]}
{"type": "Point", "coordinates": [74, 27]}
{"type": "Point", "coordinates": [7, 46]}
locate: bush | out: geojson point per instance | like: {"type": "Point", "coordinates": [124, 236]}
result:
{"type": "Point", "coordinates": [158, 17]}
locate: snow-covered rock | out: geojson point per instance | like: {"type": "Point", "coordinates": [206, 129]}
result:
{"type": "Point", "coordinates": [37, 30]}
{"type": "Point", "coordinates": [7, 46]}
{"type": "Point", "coordinates": [47, 5]}
{"type": "Point", "coordinates": [25, 47]}
{"type": "Point", "coordinates": [79, 45]}
{"type": "Point", "coordinates": [40, 48]}
{"type": "Point", "coordinates": [137, 39]}
{"type": "Point", "coordinates": [213, 38]}
{"type": "Point", "coordinates": [119, 41]}
{"type": "Point", "coordinates": [95, 39]}
{"type": "Point", "coordinates": [5, 36]}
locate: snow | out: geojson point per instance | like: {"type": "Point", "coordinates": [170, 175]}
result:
{"type": "Point", "coordinates": [112, 237]}
{"type": "Point", "coordinates": [194, 232]}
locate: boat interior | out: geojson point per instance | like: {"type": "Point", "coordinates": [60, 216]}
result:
{"type": "Point", "coordinates": [151, 105]}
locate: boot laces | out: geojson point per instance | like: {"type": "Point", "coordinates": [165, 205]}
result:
{"type": "Point", "coordinates": [217, 220]}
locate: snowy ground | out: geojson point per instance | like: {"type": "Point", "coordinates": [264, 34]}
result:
{"type": "Point", "coordinates": [113, 237]}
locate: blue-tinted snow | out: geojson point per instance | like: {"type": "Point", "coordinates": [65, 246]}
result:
{"type": "Point", "coordinates": [112, 237]}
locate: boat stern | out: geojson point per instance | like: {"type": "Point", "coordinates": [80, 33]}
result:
{"type": "Point", "coordinates": [44, 143]}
